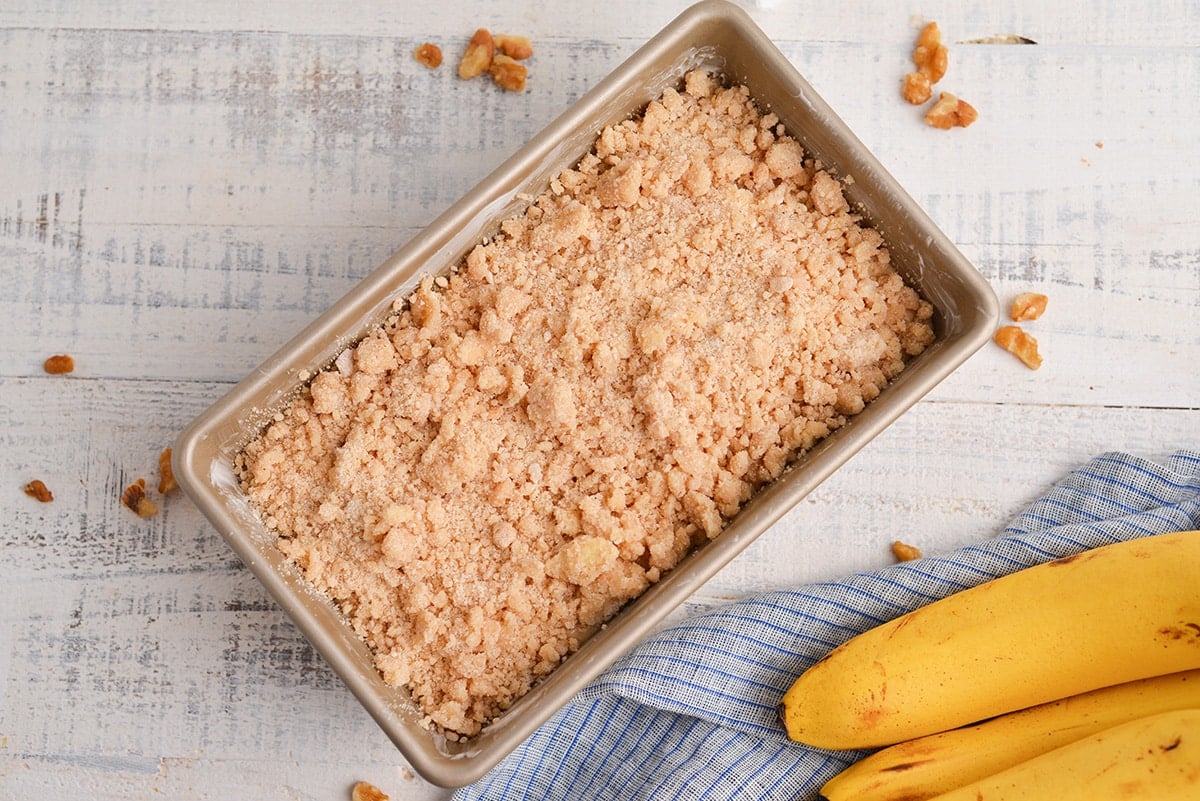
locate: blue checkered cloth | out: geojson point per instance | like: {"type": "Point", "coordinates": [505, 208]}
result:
{"type": "Point", "coordinates": [690, 713]}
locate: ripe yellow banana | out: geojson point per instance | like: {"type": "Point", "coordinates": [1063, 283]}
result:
{"type": "Point", "coordinates": [1156, 757]}
{"type": "Point", "coordinates": [916, 770]}
{"type": "Point", "coordinates": [1109, 615]}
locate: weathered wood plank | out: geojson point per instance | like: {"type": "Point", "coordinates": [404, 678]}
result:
{"type": "Point", "coordinates": [1163, 22]}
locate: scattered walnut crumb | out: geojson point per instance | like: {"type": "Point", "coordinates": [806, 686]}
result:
{"type": "Point", "coordinates": [508, 73]}
{"type": "Point", "coordinates": [931, 59]}
{"type": "Point", "coordinates": [364, 791]}
{"type": "Point", "coordinates": [429, 54]}
{"type": "Point", "coordinates": [930, 55]}
{"type": "Point", "coordinates": [166, 474]}
{"type": "Point", "coordinates": [38, 490]}
{"type": "Point", "coordinates": [949, 112]}
{"type": "Point", "coordinates": [478, 56]}
{"type": "Point", "coordinates": [904, 552]}
{"type": "Point", "coordinates": [537, 436]}
{"type": "Point", "coordinates": [1020, 344]}
{"type": "Point", "coordinates": [134, 497]}
{"type": "Point", "coordinates": [518, 47]}
{"type": "Point", "coordinates": [1028, 306]}
{"type": "Point", "coordinates": [59, 364]}
{"type": "Point", "coordinates": [917, 88]}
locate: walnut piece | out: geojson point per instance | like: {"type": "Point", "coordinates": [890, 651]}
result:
{"type": "Point", "coordinates": [518, 47]}
{"type": "Point", "coordinates": [478, 57]}
{"type": "Point", "coordinates": [134, 497]}
{"type": "Point", "coordinates": [429, 54]}
{"type": "Point", "coordinates": [905, 552]}
{"type": "Point", "coordinates": [508, 73]}
{"type": "Point", "coordinates": [364, 791]}
{"type": "Point", "coordinates": [59, 364]}
{"type": "Point", "coordinates": [1028, 306]}
{"type": "Point", "coordinates": [37, 490]}
{"type": "Point", "coordinates": [166, 474]}
{"type": "Point", "coordinates": [917, 88]}
{"type": "Point", "coordinates": [1019, 344]}
{"type": "Point", "coordinates": [949, 112]}
{"type": "Point", "coordinates": [930, 55]}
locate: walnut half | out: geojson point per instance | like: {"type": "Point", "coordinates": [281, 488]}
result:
{"type": "Point", "coordinates": [508, 73]}
{"type": "Point", "coordinates": [930, 55]}
{"type": "Point", "coordinates": [478, 57]}
{"type": "Point", "coordinates": [134, 498]}
{"type": "Point", "coordinates": [518, 47]}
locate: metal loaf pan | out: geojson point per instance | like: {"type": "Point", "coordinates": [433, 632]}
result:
{"type": "Point", "coordinates": [712, 34]}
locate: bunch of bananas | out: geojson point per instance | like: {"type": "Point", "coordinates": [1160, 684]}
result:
{"type": "Point", "coordinates": [1078, 678]}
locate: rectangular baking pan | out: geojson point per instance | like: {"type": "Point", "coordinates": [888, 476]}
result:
{"type": "Point", "coordinates": [714, 35]}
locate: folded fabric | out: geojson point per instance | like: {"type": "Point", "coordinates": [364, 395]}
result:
{"type": "Point", "coordinates": [691, 712]}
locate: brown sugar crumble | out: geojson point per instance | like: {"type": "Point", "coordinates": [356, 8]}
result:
{"type": "Point", "coordinates": [529, 442]}
{"type": "Point", "coordinates": [59, 364]}
{"type": "Point", "coordinates": [38, 490]}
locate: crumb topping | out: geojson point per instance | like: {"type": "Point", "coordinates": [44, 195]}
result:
{"type": "Point", "coordinates": [529, 442]}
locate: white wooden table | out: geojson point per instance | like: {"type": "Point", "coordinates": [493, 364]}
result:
{"type": "Point", "coordinates": [184, 185]}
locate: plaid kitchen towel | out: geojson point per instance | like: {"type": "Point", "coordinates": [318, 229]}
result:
{"type": "Point", "coordinates": [691, 712]}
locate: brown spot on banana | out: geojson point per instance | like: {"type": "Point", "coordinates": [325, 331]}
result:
{"type": "Point", "coordinates": [1183, 631]}
{"type": "Point", "coordinates": [903, 766]}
